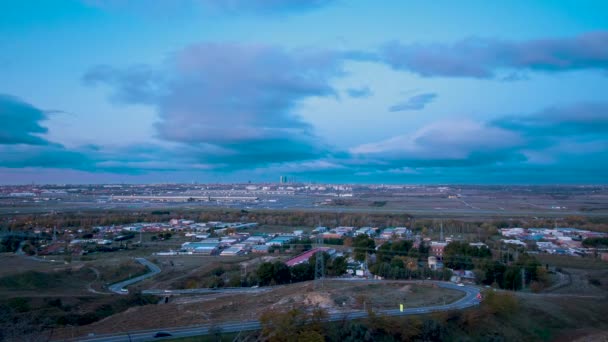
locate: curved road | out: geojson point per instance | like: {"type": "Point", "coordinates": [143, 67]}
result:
{"type": "Point", "coordinates": [121, 287]}
{"type": "Point", "coordinates": [469, 300]}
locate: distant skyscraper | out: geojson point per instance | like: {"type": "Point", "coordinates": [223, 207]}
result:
{"type": "Point", "coordinates": [283, 179]}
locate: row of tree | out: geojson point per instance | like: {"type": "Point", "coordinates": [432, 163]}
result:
{"type": "Point", "coordinates": [275, 273]}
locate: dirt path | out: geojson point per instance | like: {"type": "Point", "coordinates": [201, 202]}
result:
{"type": "Point", "coordinates": [90, 285]}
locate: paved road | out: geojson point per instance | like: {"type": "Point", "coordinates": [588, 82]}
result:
{"type": "Point", "coordinates": [470, 299]}
{"type": "Point", "coordinates": [121, 287]}
{"type": "Point", "coordinates": [206, 290]}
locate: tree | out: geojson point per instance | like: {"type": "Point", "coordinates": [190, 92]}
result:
{"type": "Point", "coordinates": [337, 267]}
{"type": "Point", "coordinates": [596, 242]}
{"type": "Point", "coordinates": [390, 249]}
{"type": "Point", "coordinates": [302, 272]}
{"type": "Point", "coordinates": [265, 273]}
{"type": "Point", "coordinates": [362, 244]}
{"type": "Point", "coordinates": [273, 273]}
{"type": "Point", "coordinates": [460, 255]}
{"type": "Point", "coordinates": [282, 275]}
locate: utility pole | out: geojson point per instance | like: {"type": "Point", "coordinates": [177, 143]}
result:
{"type": "Point", "coordinates": [319, 265]}
{"type": "Point", "coordinates": [523, 278]}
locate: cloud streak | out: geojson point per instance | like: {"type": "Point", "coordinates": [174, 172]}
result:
{"type": "Point", "coordinates": [359, 93]}
{"type": "Point", "coordinates": [417, 102]}
{"type": "Point", "coordinates": [484, 57]}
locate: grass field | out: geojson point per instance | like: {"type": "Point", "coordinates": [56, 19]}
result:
{"type": "Point", "coordinates": [572, 262]}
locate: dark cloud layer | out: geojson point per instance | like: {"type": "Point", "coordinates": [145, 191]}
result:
{"type": "Point", "coordinates": [21, 143]}
{"type": "Point", "coordinates": [482, 58]}
{"type": "Point", "coordinates": [236, 103]}
{"type": "Point", "coordinates": [20, 122]}
{"type": "Point", "coordinates": [556, 136]}
{"type": "Point", "coordinates": [416, 102]}
{"type": "Point", "coordinates": [577, 119]}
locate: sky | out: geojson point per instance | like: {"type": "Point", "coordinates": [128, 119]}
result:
{"type": "Point", "coordinates": [339, 91]}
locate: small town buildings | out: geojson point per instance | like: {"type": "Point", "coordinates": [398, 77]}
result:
{"type": "Point", "coordinates": [280, 240]}
{"type": "Point", "coordinates": [436, 248]}
{"type": "Point", "coordinates": [233, 251]}
{"type": "Point", "coordinates": [303, 258]}
{"type": "Point", "coordinates": [260, 249]}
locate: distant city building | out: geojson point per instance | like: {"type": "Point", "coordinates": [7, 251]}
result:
{"type": "Point", "coordinates": [283, 179]}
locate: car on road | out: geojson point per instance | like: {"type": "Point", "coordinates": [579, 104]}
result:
{"type": "Point", "coordinates": [460, 284]}
{"type": "Point", "coordinates": [162, 334]}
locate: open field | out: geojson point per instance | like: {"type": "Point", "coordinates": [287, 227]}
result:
{"type": "Point", "coordinates": [454, 201]}
{"type": "Point", "coordinates": [177, 270]}
{"type": "Point", "coordinates": [572, 262]}
{"type": "Point", "coordinates": [12, 264]}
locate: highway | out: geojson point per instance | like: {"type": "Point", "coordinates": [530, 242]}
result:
{"type": "Point", "coordinates": [469, 300]}
{"type": "Point", "coordinates": [121, 287]}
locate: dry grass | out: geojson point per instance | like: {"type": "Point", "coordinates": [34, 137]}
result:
{"type": "Point", "coordinates": [215, 308]}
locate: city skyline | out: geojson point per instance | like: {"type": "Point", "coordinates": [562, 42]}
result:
{"type": "Point", "coordinates": [103, 91]}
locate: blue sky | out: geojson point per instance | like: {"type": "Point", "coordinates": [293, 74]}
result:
{"type": "Point", "coordinates": [321, 90]}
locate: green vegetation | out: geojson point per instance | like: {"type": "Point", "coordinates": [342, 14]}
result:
{"type": "Point", "coordinates": [391, 249]}
{"type": "Point", "coordinates": [460, 255]}
{"type": "Point", "coordinates": [596, 242]}
{"type": "Point", "coordinates": [22, 316]}
{"type": "Point", "coordinates": [333, 241]}
{"type": "Point", "coordinates": [292, 218]}
{"type": "Point", "coordinates": [362, 245]}
{"type": "Point", "coordinates": [45, 281]}
{"type": "Point", "coordinates": [278, 273]}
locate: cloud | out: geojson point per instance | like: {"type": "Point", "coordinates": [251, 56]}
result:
{"type": "Point", "coordinates": [359, 93]}
{"type": "Point", "coordinates": [233, 7]}
{"type": "Point", "coordinates": [444, 143]}
{"type": "Point", "coordinates": [265, 6]}
{"type": "Point", "coordinates": [575, 119]}
{"type": "Point", "coordinates": [563, 139]}
{"type": "Point", "coordinates": [484, 57]}
{"type": "Point", "coordinates": [229, 103]}
{"type": "Point", "coordinates": [137, 84]}
{"type": "Point", "coordinates": [417, 102]}
{"type": "Point", "coordinates": [51, 156]}
{"type": "Point", "coordinates": [22, 143]}
{"type": "Point", "coordinates": [20, 122]}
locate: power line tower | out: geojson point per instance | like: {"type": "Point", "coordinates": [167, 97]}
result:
{"type": "Point", "coordinates": [319, 265]}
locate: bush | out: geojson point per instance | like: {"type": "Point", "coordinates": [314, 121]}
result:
{"type": "Point", "coordinates": [595, 281]}
{"type": "Point", "coordinates": [19, 304]}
